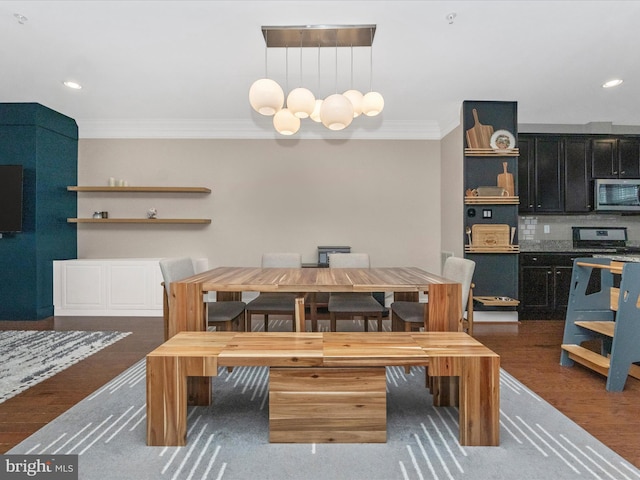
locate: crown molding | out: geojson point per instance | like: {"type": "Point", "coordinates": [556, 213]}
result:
{"type": "Point", "coordinates": [259, 129]}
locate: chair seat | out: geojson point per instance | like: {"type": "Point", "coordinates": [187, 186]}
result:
{"type": "Point", "coordinates": [224, 311]}
{"type": "Point", "coordinates": [354, 303]}
{"type": "Point", "coordinates": [412, 312]}
{"type": "Point", "coordinates": [273, 302]}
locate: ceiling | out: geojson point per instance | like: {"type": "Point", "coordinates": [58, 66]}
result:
{"type": "Point", "coordinates": [182, 69]}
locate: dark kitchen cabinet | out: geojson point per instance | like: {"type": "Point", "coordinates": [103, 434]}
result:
{"type": "Point", "coordinates": [554, 174]}
{"type": "Point", "coordinates": [578, 186]}
{"type": "Point", "coordinates": [545, 280]}
{"type": "Point", "coordinates": [615, 158]}
{"type": "Point", "coordinates": [540, 174]}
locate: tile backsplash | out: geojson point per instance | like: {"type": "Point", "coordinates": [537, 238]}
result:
{"type": "Point", "coordinates": [532, 228]}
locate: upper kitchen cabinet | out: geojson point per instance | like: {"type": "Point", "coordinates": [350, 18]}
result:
{"type": "Point", "coordinates": [540, 174]}
{"type": "Point", "coordinates": [578, 187]}
{"type": "Point", "coordinates": [554, 174]}
{"type": "Point", "coordinates": [615, 158]}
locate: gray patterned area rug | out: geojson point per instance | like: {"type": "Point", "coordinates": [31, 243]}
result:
{"type": "Point", "coordinates": [31, 356]}
{"type": "Point", "coordinates": [229, 440]}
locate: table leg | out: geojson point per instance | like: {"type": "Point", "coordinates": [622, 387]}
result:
{"type": "Point", "coordinates": [300, 321]}
{"type": "Point", "coordinates": [443, 315]}
{"type": "Point", "coordinates": [188, 313]}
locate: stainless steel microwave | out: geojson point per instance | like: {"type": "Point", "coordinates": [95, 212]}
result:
{"type": "Point", "coordinates": [617, 195]}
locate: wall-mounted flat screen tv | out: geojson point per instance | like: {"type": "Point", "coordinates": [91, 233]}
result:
{"type": "Point", "coordinates": [10, 198]}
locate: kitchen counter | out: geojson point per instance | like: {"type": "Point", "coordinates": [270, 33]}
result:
{"type": "Point", "coordinates": [566, 246]}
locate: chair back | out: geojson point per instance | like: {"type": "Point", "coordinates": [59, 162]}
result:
{"type": "Point", "coordinates": [349, 260]}
{"type": "Point", "coordinates": [461, 270]}
{"type": "Point", "coordinates": [174, 269]}
{"type": "Point", "coordinates": [281, 260]}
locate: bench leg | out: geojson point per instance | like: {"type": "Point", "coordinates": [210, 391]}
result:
{"type": "Point", "coordinates": [166, 402]}
{"type": "Point", "coordinates": [480, 401]}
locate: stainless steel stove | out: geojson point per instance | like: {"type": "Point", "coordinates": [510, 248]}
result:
{"type": "Point", "coordinates": [608, 238]}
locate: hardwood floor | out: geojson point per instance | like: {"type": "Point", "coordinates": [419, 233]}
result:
{"type": "Point", "coordinates": [529, 350]}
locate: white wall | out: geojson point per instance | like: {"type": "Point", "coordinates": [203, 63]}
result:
{"type": "Point", "coordinates": [453, 192]}
{"type": "Point", "coordinates": [380, 197]}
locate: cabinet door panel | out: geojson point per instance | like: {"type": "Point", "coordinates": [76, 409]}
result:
{"type": "Point", "coordinates": [562, 285]}
{"type": "Point", "coordinates": [548, 175]}
{"type": "Point", "coordinates": [536, 290]}
{"type": "Point", "coordinates": [629, 157]}
{"type": "Point", "coordinates": [578, 194]}
{"type": "Point", "coordinates": [604, 163]}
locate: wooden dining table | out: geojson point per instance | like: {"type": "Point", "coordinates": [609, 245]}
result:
{"type": "Point", "coordinates": [188, 310]}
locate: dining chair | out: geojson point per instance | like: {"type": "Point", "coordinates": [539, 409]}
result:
{"type": "Point", "coordinates": [410, 316]}
{"type": "Point", "coordinates": [350, 304]}
{"type": "Point", "coordinates": [222, 315]}
{"type": "Point", "coordinates": [275, 303]}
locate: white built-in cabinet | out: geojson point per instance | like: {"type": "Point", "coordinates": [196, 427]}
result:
{"type": "Point", "coordinates": [109, 287]}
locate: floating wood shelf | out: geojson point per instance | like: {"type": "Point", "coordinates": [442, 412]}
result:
{"type": "Point", "coordinates": [492, 248]}
{"type": "Point", "coordinates": [140, 189]}
{"type": "Point", "coordinates": [492, 152]}
{"type": "Point", "coordinates": [150, 221]}
{"type": "Point", "coordinates": [490, 200]}
{"type": "Point", "coordinates": [497, 301]}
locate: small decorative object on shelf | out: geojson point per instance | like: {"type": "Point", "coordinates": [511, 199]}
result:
{"type": "Point", "coordinates": [152, 213]}
{"type": "Point", "coordinates": [502, 140]}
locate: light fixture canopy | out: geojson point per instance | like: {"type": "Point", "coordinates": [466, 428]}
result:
{"type": "Point", "coordinates": [285, 122]}
{"type": "Point", "coordinates": [266, 96]}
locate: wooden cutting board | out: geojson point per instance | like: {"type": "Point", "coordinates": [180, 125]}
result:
{"type": "Point", "coordinates": [479, 136]}
{"type": "Point", "coordinates": [505, 180]}
{"type": "Point", "coordinates": [486, 235]}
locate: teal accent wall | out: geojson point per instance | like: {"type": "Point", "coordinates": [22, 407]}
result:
{"type": "Point", "coordinates": [45, 143]}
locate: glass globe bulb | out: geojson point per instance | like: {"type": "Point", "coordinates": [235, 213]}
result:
{"type": "Point", "coordinates": [336, 112]}
{"type": "Point", "coordinates": [315, 115]}
{"type": "Point", "coordinates": [301, 102]}
{"type": "Point", "coordinates": [285, 122]}
{"type": "Point", "coordinates": [356, 98]}
{"type": "Point", "coordinates": [372, 104]}
{"type": "Point", "coordinates": [266, 96]}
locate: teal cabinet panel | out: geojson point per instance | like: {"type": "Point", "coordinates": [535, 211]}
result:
{"type": "Point", "coordinates": [45, 143]}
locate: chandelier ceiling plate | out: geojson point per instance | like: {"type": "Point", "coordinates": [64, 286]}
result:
{"type": "Point", "coordinates": [319, 36]}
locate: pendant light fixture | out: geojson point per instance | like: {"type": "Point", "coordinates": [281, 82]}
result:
{"type": "Point", "coordinates": [354, 96]}
{"type": "Point", "coordinates": [336, 111]}
{"type": "Point", "coordinates": [265, 95]}
{"type": "Point", "coordinates": [300, 100]}
{"type": "Point", "coordinates": [372, 103]}
{"type": "Point", "coordinates": [315, 115]}
{"type": "Point", "coordinates": [284, 121]}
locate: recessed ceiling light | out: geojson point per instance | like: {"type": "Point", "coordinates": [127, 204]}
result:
{"type": "Point", "coordinates": [74, 85]}
{"type": "Point", "coordinates": [612, 83]}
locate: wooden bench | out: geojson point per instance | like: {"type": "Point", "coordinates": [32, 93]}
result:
{"type": "Point", "coordinates": [347, 368]}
